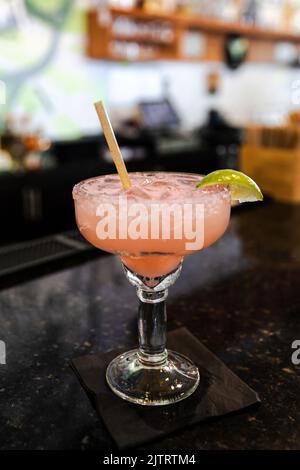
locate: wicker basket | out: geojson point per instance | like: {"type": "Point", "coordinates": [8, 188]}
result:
{"type": "Point", "coordinates": [271, 156]}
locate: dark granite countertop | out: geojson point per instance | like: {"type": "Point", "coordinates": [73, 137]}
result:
{"type": "Point", "coordinates": [241, 298]}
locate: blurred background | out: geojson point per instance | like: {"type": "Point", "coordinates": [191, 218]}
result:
{"type": "Point", "coordinates": [191, 85]}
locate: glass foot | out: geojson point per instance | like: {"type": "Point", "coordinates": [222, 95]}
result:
{"type": "Point", "coordinates": [175, 379]}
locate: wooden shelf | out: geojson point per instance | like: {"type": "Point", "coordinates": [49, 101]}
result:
{"type": "Point", "coordinates": [141, 38]}
{"type": "Point", "coordinates": [139, 14]}
{"type": "Point", "coordinates": [213, 32]}
{"type": "Point", "coordinates": [208, 24]}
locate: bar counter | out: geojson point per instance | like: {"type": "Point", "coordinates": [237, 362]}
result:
{"type": "Point", "coordinates": [240, 297]}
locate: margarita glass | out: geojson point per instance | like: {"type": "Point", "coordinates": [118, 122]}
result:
{"type": "Point", "coordinates": [152, 226]}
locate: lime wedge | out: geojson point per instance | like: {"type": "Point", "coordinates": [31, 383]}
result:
{"type": "Point", "coordinates": [242, 188]}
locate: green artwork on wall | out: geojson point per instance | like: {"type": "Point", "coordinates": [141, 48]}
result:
{"type": "Point", "coordinates": [43, 66]}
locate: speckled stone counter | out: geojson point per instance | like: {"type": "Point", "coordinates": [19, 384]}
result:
{"type": "Point", "coordinates": [241, 298]}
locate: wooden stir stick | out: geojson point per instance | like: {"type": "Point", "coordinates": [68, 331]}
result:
{"type": "Point", "coordinates": [113, 144]}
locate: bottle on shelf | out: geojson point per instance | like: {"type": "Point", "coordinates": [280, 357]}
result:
{"type": "Point", "coordinates": [249, 12]}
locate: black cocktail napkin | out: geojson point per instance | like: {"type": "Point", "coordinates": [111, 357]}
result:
{"type": "Point", "coordinates": [220, 392]}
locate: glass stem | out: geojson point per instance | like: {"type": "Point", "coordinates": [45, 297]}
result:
{"type": "Point", "coordinates": [152, 326]}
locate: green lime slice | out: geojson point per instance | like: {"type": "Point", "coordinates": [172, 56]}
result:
{"type": "Point", "coordinates": [242, 188]}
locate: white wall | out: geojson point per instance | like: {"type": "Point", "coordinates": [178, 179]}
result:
{"type": "Point", "coordinates": [254, 92]}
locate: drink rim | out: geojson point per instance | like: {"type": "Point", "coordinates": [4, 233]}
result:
{"type": "Point", "coordinates": [80, 191]}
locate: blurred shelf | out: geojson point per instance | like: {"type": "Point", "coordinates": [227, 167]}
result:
{"type": "Point", "coordinates": [141, 38]}
{"type": "Point", "coordinates": [209, 24]}
{"type": "Point", "coordinates": [102, 37]}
